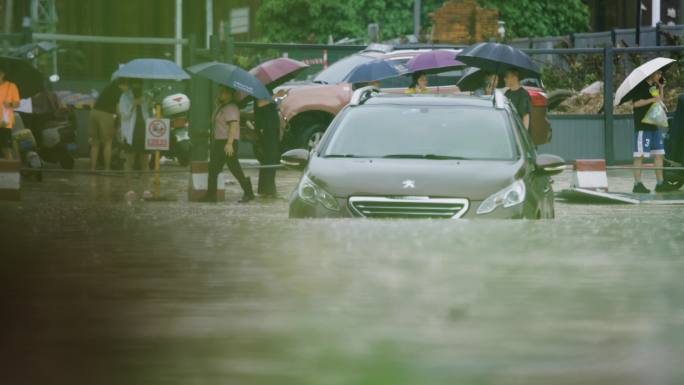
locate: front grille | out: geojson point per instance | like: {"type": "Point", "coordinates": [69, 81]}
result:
{"type": "Point", "coordinates": [408, 207]}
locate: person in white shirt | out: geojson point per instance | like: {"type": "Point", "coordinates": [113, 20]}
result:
{"type": "Point", "coordinates": [134, 109]}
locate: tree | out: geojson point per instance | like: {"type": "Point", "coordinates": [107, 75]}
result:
{"type": "Point", "coordinates": [539, 18]}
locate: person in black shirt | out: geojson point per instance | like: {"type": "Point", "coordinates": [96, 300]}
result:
{"type": "Point", "coordinates": [267, 122]}
{"type": "Point", "coordinates": [101, 123]}
{"type": "Point", "coordinates": [518, 96]}
{"type": "Point", "coordinates": [647, 137]}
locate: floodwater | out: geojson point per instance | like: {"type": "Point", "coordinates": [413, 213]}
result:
{"type": "Point", "coordinates": [96, 291]}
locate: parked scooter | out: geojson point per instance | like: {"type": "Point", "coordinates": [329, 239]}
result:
{"type": "Point", "coordinates": [175, 107]}
{"type": "Point", "coordinates": [54, 129]}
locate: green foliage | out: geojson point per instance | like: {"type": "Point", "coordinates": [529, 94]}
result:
{"type": "Point", "coordinates": [311, 21]}
{"type": "Point", "coordinates": [537, 18]}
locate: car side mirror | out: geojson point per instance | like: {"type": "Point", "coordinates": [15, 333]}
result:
{"type": "Point", "coordinates": [548, 164]}
{"type": "Point", "coordinates": [296, 159]}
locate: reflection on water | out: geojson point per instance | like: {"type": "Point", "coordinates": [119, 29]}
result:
{"type": "Point", "coordinates": [178, 293]}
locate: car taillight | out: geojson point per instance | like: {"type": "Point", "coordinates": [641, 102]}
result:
{"type": "Point", "coordinates": [538, 98]}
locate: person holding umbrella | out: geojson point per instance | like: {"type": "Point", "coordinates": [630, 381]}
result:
{"type": "Point", "coordinates": [518, 96]}
{"type": "Point", "coordinates": [134, 109]}
{"type": "Point", "coordinates": [226, 120]}
{"type": "Point", "coordinates": [647, 138]}
{"type": "Point", "coordinates": [9, 100]}
{"type": "Point", "coordinates": [419, 83]}
{"type": "Point", "coordinates": [271, 74]}
{"type": "Point", "coordinates": [224, 144]}
{"type": "Point", "coordinates": [645, 86]}
{"type": "Point", "coordinates": [267, 124]}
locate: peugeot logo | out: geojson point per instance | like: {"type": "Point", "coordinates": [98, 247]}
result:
{"type": "Point", "coordinates": [409, 183]}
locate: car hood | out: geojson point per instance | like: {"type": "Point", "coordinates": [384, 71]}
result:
{"type": "Point", "coordinates": [475, 180]}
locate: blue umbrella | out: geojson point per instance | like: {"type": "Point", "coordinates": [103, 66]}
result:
{"type": "Point", "coordinates": [375, 70]}
{"type": "Point", "coordinates": [233, 77]}
{"type": "Point", "coordinates": [155, 69]}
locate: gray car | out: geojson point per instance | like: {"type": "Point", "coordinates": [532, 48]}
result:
{"type": "Point", "coordinates": [424, 156]}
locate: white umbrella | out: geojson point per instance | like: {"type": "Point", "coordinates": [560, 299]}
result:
{"type": "Point", "coordinates": [637, 76]}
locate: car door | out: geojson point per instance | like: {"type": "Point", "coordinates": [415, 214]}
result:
{"type": "Point", "coordinates": [540, 194]}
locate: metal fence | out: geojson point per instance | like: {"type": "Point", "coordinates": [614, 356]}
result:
{"type": "Point", "coordinates": [648, 37]}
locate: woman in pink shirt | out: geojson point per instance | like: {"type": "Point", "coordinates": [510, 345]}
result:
{"type": "Point", "coordinates": [224, 145]}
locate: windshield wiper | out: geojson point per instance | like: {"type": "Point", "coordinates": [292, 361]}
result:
{"type": "Point", "coordinates": [424, 156]}
{"type": "Point", "coordinates": [320, 82]}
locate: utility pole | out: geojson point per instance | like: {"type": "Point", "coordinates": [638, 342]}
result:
{"type": "Point", "coordinates": [9, 13]}
{"type": "Point", "coordinates": [179, 33]}
{"type": "Point", "coordinates": [655, 12]}
{"type": "Point", "coordinates": [44, 20]}
{"type": "Point", "coordinates": [416, 19]}
{"type": "Point", "coordinates": [637, 37]}
{"type": "Point", "coordinates": [209, 6]}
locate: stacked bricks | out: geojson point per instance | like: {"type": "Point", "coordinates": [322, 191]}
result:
{"type": "Point", "coordinates": [463, 22]}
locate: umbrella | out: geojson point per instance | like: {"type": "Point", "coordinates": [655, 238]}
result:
{"type": "Point", "coordinates": [233, 77]}
{"type": "Point", "coordinates": [278, 71]}
{"type": "Point", "coordinates": [434, 61]}
{"type": "Point", "coordinates": [28, 79]}
{"type": "Point", "coordinates": [375, 70]}
{"type": "Point", "coordinates": [155, 69]}
{"type": "Point", "coordinates": [641, 73]}
{"type": "Point", "coordinates": [472, 79]}
{"type": "Point", "coordinates": [497, 58]}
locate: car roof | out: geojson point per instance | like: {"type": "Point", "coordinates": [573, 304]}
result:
{"type": "Point", "coordinates": [462, 100]}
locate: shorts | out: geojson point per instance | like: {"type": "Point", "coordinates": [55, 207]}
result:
{"type": "Point", "coordinates": [101, 127]}
{"type": "Point", "coordinates": [5, 138]}
{"type": "Point", "coordinates": [648, 143]}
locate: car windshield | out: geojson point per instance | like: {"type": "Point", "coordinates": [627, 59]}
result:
{"type": "Point", "coordinates": [395, 131]}
{"type": "Point", "coordinates": [337, 72]}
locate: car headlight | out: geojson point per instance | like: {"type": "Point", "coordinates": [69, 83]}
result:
{"type": "Point", "coordinates": [309, 192]}
{"type": "Point", "coordinates": [507, 197]}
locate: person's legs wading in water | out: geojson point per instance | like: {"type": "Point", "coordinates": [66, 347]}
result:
{"type": "Point", "coordinates": [136, 151]}
{"type": "Point", "coordinates": [268, 125]}
{"type": "Point", "coordinates": [218, 158]}
{"type": "Point", "coordinates": [101, 128]}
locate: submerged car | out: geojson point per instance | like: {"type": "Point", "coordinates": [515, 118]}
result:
{"type": "Point", "coordinates": [424, 156]}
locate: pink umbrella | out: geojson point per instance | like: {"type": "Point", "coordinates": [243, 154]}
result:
{"type": "Point", "coordinates": [434, 61]}
{"type": "Point", "coordinates": [278, 71]}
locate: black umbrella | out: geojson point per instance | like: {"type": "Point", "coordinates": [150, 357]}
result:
{"type": "Point", "coordinates": [472, 79]}
{"type": "Point", "coordinates": [28, 79]}
{"type": "Point", "coordinates": [497, 58]}
{"type": "Point", "coordinates": [233, 77]}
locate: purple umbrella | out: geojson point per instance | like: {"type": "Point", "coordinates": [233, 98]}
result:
{"type": "Point", "coordinates": [434, 61]}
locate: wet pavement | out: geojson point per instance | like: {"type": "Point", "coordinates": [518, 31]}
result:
{"type": "Point", "coordinates": [94, 290]}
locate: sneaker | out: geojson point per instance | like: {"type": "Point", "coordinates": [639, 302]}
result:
{"type": "Point", "coordinates": [639, 188]}
{"type": "Point", "coordinates": [246, 198]}
{"type": "Point", "coordinates": [147, 194]}
{"type": "Point", "coordinates": [663, 187]}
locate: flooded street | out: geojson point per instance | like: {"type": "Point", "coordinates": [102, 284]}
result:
{"type": "Point", "coordinates": [96, 291]}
